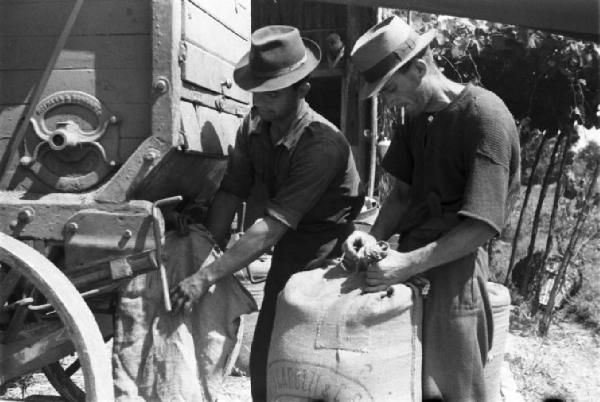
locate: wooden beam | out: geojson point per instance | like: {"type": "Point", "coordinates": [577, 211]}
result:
{"type": "Point", "coordinates": [166, 74]}
{"type": "Point", "coordinates": [353, 114]}
{"type": "Point", "coordinates": [577, 18]}
{"type": "Point", "coordinates": [46, 344]}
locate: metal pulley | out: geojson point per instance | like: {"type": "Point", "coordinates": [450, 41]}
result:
{"type": "Point", "coordinates": [70, 125]}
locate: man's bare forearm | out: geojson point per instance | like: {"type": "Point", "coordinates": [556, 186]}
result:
{"type": "Point", "coordinates": [464, 239]}
{"type": "Point", "coordinates": [392, 211]}
{"type": "Point", "coordinates": [263, 234]}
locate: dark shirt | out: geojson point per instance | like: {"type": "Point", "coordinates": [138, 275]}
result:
{"type": "Point", "coordinates": [310, 175]}
{"type": "Point", "coordinates": [463, 159]}
{"type": "Point", "coordinates": [313, 188]}
{"type": "Point", "coordinates": [460, 162]}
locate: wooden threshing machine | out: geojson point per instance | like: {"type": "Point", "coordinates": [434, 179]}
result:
{"type": "Point", "coordinates": [109, 109]}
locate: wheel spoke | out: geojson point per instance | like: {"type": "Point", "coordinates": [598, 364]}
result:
{"type": "Point", "coordinates": [72, 369]}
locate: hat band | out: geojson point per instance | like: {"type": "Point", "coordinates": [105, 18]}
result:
{"type": "Point", "coordinates": [390, 61]}
{"type": "Point", "coordinates": [282, 71]}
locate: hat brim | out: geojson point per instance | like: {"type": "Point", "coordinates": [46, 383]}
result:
{"type": "Point", "coordinates": [369, 89]}
{"type": "Point", "coordinates": [248, 81]}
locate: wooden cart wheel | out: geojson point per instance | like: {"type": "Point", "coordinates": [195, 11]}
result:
{"type": "Point", "coordinates": [61, 379]}
{"type": "Point", "coordinates": [62, 374]}
{"type": "Point", "coordinates": [27, 344]}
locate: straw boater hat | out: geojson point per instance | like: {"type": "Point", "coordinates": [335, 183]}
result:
{"type": "Point", "coordinates": [383, 49]}
{"type": "Point", "coordinates": [278, 58]}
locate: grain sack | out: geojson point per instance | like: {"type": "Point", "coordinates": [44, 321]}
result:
{"type": "Point", "coordinates": [500, 302]}
{"type": "Point", "coordinates": [162, 357]}
{"type": "Point", "coordinates": [331, 342]}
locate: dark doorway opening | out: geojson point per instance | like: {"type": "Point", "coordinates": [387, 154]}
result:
{"type": "Point", "coordinates": [325, 97]}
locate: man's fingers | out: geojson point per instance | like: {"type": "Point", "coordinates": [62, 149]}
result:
{"type": "Point", "coordinates": [374, 280]}
{"type": "Point", "coordinates": [177, 296]}
{"type": "Point", "coordinates": [350, 254]}
{"type": "Point", "coordinates": [349, 260]}
{"type": "Point", "coordinates": [356, 241]}
{"type": "Point", "coordinates": [184, 294]}
{"type": "Point", "coordinates": [376, 288]}
{"type": "Point", "coordinates": [373, 273]}
{"type": "Point", "coordinates": [175, 306]}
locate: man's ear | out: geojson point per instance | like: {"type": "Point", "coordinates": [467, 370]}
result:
{"type": "Point", "coordinates": [303, 90]}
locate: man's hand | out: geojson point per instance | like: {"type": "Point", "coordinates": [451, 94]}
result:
{"type": "Point", "coordinates": [353, 245]}
{"type": "Point", "coordinates": [188, 291]}
{"type": "Point", "coordinates": [395, 268]}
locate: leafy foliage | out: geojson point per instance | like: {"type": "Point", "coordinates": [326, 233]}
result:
{"type": "Point", "coordinates": [542, 77]}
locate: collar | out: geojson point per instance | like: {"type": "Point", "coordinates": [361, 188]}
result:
{"type": "Point", "coordinates": [294, 132]}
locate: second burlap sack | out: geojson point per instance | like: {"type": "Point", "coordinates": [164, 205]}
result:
{"type": "Point", "coordinates": [333, 342]}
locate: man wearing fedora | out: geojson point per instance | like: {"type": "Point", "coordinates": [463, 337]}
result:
{"type": "Point", "coordinates": [307, 166]}
{"type": "Point", "coordinates": [456, 161]}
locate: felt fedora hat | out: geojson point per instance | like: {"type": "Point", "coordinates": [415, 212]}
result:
{"type": "Point", "coordinates": [383, 49]}
{"type": "Point", "coordinates": [278, 57]}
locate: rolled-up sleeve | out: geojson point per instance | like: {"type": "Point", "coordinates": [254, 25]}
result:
{"type": "Point", "coordinates": [312, 169]}
{"type": "Point", "coordinates": [239, 175]}
{"type": "Point", "coordinates": [487, 185]}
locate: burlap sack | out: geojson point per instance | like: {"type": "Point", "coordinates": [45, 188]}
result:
{"type": "Point", "coordinates": [161, 357]}
{"type": "Point", "coordinates": [331, 342]}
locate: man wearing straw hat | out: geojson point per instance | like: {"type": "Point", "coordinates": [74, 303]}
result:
{"type": "Point", "coordinates": [456, 161]}
{"type": "Point", "coordinates": [309, 171]}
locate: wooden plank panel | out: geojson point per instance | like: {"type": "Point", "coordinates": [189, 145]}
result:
{"type": "Point", "coordinates": [234, 14]}
{"type": "Point", "coordinates": [80, 52]}
{"type": "Point", "coordinates": [190, 126]}
{"type": "Point", "coordinates": [217, 130]}
{"type": "Point", "coordinates": [110, 86]}
{"type": "Point", "coordinates": [207, 71]}
{"type": "Point", "coordinates": [134, 119]}
{"type": "Point", "coordinates": [47, 17]}
{"type": "Point", "coordinates": [207, 130]}
{"type": "Point", "coordinates": [9, 118]}
{"type": "Point", "coordinates": [208, 99]}
{"type": "Point", "coordinates": [207, 33]}
{"type": "Point", "coordinates": [127, 147]}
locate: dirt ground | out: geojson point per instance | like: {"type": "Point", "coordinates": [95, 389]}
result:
{"type": "Point", "coordinates": [565, 365]}
{"type": "Point", "coordinates": [235, 389]}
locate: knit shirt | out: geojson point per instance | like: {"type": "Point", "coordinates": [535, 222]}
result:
{"type": "Point", "coordinates": [463, 159]}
